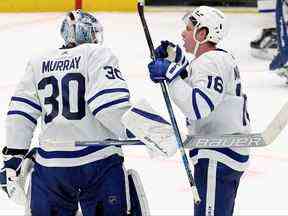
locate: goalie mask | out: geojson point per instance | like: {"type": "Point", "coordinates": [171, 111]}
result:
{"type": "Point", "coordinates": [80, 27]}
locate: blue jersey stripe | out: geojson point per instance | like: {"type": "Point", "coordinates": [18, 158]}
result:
{"type": "Point", "coordinates": [150, 116]}
{"type": "Point", "coordinates": [104, 106]}
{"type": "Point", "coordinates": [267, 11]}
{"type": "Point", "coordinates": [129, 134]}
{"type": "Point", "coordinates": [238, 90]}
{"type": "Point", "coordinates": [221, 50]}
{"type": "Point", "coordinates": [107, 91]}
{"type": "Point", "coordinates": [196, 91]}
{"type": "Point", "coordinates": [232, 154]}
{"type": "Point", "coordinates": [245, 113]}
{"type": "Point", "coordinates": [24, 100]}
{"type": "Point", "coordinates": [193, 152]}
{"type": "Point", "coordinates": [69, 154]}
{"type": "Point", "coordinates": [26, 115]}
{"type": "Point", "coordinates": [226, 151]}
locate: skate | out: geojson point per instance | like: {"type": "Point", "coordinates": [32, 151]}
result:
{"type": "Point", "coordinates": [265, 46]}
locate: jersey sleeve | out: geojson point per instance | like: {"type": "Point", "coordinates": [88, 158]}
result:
{"type": "Point", "coordinates": [108, 94]}
{"type": "Point", "coordinates": [201, 93]}
{"type": "Point", "coordinates": [23, 112]}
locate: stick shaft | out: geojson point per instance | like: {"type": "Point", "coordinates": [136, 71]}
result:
{"type": "Point", "coordinates": [221, 141]}
{"type": "Point", "coordinates": [140, 7]}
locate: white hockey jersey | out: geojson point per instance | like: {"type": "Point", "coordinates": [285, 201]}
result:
{"type": "Point", "coordinates": [80, 94]}
{"type": "Point", "coordinates": [212, 100]}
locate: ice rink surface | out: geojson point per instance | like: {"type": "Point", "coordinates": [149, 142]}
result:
{"type": "Point", "coordinates": [263, 190]}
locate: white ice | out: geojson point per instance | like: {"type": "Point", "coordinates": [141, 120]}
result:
{"type": "Point", "coordinates": [263, 190]}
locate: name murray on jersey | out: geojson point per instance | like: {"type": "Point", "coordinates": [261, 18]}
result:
{"type": "Point", "coordinates": [60, 65]}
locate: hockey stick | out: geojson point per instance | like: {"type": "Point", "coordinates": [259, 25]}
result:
{"type": "Point", "coordinates": [263, 139]}
{"type": "Point", "coordinates": [140, 8]}
{"type": "Point", "coordinates": [221, 141]}
{"type": "Point", "coordinates": [282, 38]}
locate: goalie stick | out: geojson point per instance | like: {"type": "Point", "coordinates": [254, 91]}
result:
{"type": "Point", "coordinates": [265, 138]}
{"type": "Point", "coordinates": [221, 141]}
{"type": "Point", "coordinates": [140, 8]}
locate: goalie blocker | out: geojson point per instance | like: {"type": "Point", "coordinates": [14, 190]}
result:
{"type": "Point", "coordinates": [151, 129]}
{"type": "Point", "coordinates": [16, 186]}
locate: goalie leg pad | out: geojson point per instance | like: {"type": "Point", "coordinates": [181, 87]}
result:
{"type": "Point", "coordinates": [138, 200]}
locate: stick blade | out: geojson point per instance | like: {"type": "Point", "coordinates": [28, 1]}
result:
{"type": "Point", "coordinates": [277, 125]}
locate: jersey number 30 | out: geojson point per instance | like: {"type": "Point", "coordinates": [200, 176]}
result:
{"type": "Point", "coordinates": [52, 100]}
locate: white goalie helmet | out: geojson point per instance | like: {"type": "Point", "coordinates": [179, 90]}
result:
{"type": "Point", "coordinates": [80, 27]}
{"type": "Point", "coordinates": [211, 18]}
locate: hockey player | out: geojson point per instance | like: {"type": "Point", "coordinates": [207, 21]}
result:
{"type": "Point", "coordinates": [208, 91]}
{"type": "Point", "coordinates": [265, 45]}
{"type": "Point", "coordinates": [279, 63]}
{"type": "Point", "coordinates": [79, 94]}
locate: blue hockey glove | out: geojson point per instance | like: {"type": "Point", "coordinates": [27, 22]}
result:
{"type": "Point", "coordinates": [9, 180]}
{"type": "Point", "coordinates": [171, 52]}
{"type": "Point", "coordinates": [161, 50]}
{"type": "Point", "coordinates": [162, 69]}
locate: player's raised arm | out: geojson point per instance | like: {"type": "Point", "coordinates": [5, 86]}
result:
{"type": "Point", "coordinates": [204, 95]}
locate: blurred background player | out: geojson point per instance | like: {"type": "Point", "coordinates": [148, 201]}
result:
{"type": "Point", "coordinates": [279, 64]}
{"type": "Point", "coordinates": [264, 46]}
{"type": "Point", "coordinates": [208, 91]}
{"type": "Point", "coordinates": [80, 94]}
{"type": "Point", "coordinates": [273, 34]}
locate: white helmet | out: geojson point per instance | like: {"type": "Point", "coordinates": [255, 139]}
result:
{"type": "Point", "coordinates": [211, 18]}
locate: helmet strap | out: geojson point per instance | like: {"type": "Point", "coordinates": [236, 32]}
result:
{"type": "Point", "coordinates": [197, 41]}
